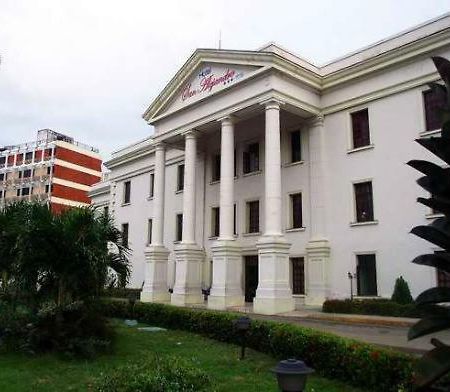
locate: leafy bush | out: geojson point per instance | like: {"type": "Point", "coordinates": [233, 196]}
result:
{"type": "Point", "coordinates": [167, 374]}
{"type": "Point", "coordinates": [401, 294]}
{"type": "Point", "coordinates": [74, 330]}
{"type": "Point", "coordinates": [378, 307]}
{"type": "Point", "coordinates": [344, 359]}
{"type": "Point", "coordinates": [119, 292]}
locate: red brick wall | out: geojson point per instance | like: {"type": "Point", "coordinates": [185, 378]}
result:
{"type": "Point", "coordinates": [74, 175]}
{"type": "Point", "coordinates": [58, 208]}
{"type": "Point", "coordinates": [37, 155]}
{"type": "Point", "coordinates": [78, 158]}
{"type": "Point", "coordinates": [65, 192]}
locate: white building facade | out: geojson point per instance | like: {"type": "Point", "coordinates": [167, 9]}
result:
{"type": "Point", "coordinates": [268, 179]}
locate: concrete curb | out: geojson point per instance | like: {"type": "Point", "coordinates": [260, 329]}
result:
{"type": "Point", "coordinates": [362, 320]}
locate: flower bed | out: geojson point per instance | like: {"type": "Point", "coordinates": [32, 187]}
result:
{"type": "Point", "coordinates": [355, 363]}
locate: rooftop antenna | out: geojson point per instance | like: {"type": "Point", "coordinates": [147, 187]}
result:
{"type": "Point", "coordinates": [220, 39]}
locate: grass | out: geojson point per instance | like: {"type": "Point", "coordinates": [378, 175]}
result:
{"type": "Point", "coordinates": [20, 372]}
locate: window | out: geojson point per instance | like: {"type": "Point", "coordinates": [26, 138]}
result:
{"type": "Point", "coordinates": [106, 210]}
{"type": "Point", "coordinates": [47, 188]}
{"type": "Point", "coordinates": [364, 201]}
{"type": "Point", "coordinates": [253, 216]}
{"type": "Point", "coordinates": [215, 221]}
{"type": "Point", "coordinates": [149, 234]}
{"type": "Point", "coordinates": [180, 178]}
{"type": "Point", "coordinates": [1, 194]}
{"type": "Point", "coordinates": [25, 191]}
{"type": "Point", "coordinates": [125, 229]}
{"type": "Point", "coordinates": [152, 184]}
{"type": "Point", "coordinates": [2, 176]}
{"type": "Point", "coordinates": [296, 147]}
{"type": "Point", "coordinates": [366, 275]}
{"type": "Point", "coordinates": [2, 161]}
{"type": "Point", "coordinates": [179, 228]}
{"type": "Point", "coordinates": [215, 168]}
{"type": "Point", "coordinates": [298, 275]}
{"type": "Point", "coordinates": [251, 158]}
{"type": "Point", "coordinates": [49, 170]}
{"type": "Point", "coordinates": [235, 219]}
{"type": "Point", "coordinates": [18, 192]}
{"type": "Point", "coordinates": [296, 211]}
{"type": "Point", "coordinates": [19, 159]}
{"type": "Point", "coordinates": [47, 153]}
{"type": "Point", "coordinates": [433, 102]}
{"type": "Point", "coordinates": [27, 173]}
{"type": "Point", "coordinates": [126, 192]}
{"type": "Point", "coordinates": [28, 157]}
{"type": "Point", "coordinates": [360, 128]}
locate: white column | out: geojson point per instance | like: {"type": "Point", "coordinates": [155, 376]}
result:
{"type": "Point", "coordinates": [274, 294]}
{"type": "Point", "coordinates": [189, 256]}
{"type": "Point", "coordinates": [156, 255]}
{"type": "Point", "coordinates": [318, 248]}
{"type": "Point", "coordinates": [190, 155]}
{"type": "Point", "coordinates": [226, 287]}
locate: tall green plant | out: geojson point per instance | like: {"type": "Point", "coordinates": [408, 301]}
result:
{"type": "Point", "coordinates": [436, 180]}
{"type": "Point", "coordinates": [401, 294]}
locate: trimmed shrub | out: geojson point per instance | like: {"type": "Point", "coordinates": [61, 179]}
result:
{"type": "Point", "coordinates": [126, 293]}
{"type": "Point", "coordinates": [159, 374]}
{"type": "Point", "coordinates": [376, 307]}
{"type": "Point", "coordinates": [353, 362]}
{"type": "Point", "coordinates": [401, 294]}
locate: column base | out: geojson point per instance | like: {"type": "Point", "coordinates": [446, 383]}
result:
{"type": "Point", "coordinates": [155, 286]}
{"type": "Point", "coordinates": [318, 259]}
{"type": "Point", "coordinates": [188, 275]}
{"type": "Point", "coordinates": [274, 294]}
{"type": "Point", "coordinates": [226, 287]}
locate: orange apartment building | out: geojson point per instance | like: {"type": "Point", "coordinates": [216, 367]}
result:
{"type": "Point", "coordinates": [53, 169]}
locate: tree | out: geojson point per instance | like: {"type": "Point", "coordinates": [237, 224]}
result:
{"type": "Point", "coordinates": [436, 180]}
{"type": "Point", "coordinates": [401, 294]}
{"type": "Point", "coordinates": [64, 257]}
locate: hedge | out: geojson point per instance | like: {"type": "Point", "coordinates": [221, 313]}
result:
{"type": "Point", "coordinates": [378, 307]}
{"type": "Point", "coordinates": [355, 363]}
{"type": "Point", "coordinates": [126, 292]}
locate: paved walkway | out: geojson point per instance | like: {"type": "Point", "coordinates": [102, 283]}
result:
{"type": "Point", "coordinates": [383, 331]}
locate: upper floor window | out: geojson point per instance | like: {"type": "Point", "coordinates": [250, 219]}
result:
{"type": "Point", "coordinates": [296, 211]}
{"type": "Point", "coordinates": [215, 169]}
{"type": "Point", "coordinates": [364, 201]}
{"type": "Point", "coordinates": [215, 221]}
{"type": "Point", "coordinates": [2, 177]}
{"type": "Point", "coordinates": [149, 234]}
{"type": "Point", "coordinates": [366, 275]}
{"type": "Point", "coordinates": [2, 194]}
{"type": "Point", "coordinates": [125, 230]}
{"type": "Point", "coordinates": [28, 157]}
{"type": "Point", "coordinates": [27, 173]}
{"type": "Point", "coordinates": [106, 210]}
{"type": "Point", "coordinates": [296, 146]}
{"type": "Point", "coordinates": [179, 227]}
{"type": "Point", "coordinates": [433, 100]}
{"type": "Point", "coordinates": [251, 158]}
{"type": "Point", "coordinates": [298, 275]}
{"type": "Point", "coordinates": [152, 184]}
{"type": "Point", "coordinates": [180, 177]}
{"type": "Point", "coordinates": [2, 161]}
{"type": "Point", "coordinates": [253, 216]}
{"type": "Point", "coordinates": [126, 192]}
{"type": "Point", "coordinates": [360, 128]}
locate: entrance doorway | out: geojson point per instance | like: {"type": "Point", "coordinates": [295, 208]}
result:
{"type": "Point", "coordinates": [251, 277]}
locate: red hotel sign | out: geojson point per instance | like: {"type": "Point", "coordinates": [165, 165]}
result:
{"type": "Point", "coordinates": [207, 80]}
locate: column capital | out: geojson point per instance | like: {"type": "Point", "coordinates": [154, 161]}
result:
{"type": "Point", "coordinates": [191, 134]}
{"type": "Point", "coordinates": [160, 146]}
{"type": "Point", "coordinates": [317, 121]}
{"type": "Point", "coordinates": [227, 119]}
{"type": "Point", "coordinates": [272, 103]}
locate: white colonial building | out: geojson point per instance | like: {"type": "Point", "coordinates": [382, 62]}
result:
{"type": "Point", "coordinates": [268, 179]}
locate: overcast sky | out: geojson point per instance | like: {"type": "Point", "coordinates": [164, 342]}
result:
{"type": "Point", "coordinates": [90, 68]}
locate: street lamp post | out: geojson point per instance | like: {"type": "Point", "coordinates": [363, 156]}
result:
{"type": "Point", "coordinates": [291, 375]}
{"type": "Point", "coordinates": [242, 325]}
{"type": "Point", "coordinates": [351, 277]}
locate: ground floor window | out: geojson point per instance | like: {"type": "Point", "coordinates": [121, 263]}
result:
{"type": "Point", "coordinates": [443, 278]}
{"type": "Point", "coordinates": [366, 273]}
{"type": "Point", "coordinates": [298, 275]}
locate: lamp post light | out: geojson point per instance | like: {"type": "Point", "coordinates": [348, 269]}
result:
{"type": "Point", "coordinates": [291, 375]}
{"type": "Point", "coordinates": [351, 277]}
{"type": "Point", "coordinates": [242, 325]}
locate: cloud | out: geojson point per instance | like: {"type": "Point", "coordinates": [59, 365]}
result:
{"type": "Point", "coordinates": [90, 68]}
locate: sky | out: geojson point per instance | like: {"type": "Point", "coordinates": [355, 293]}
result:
{"type": "Point", "coordinates": [90, 68]}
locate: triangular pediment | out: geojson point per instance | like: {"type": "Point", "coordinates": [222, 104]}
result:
{"type": "Point", "coordinates": [204, 75]}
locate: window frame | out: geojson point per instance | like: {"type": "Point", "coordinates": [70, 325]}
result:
{"type": "Point", "coordinates": [215, 167]}
{"type": "Point", "coordinates": [425, 92]}
{"type": "Point", "coordinates": [291, 150]}
{"type": "Point", "coordinates": [125, 238]}
{"type": "Point", "coordinates": [178, 227]}
{"type": "Point", "coordinates": [149, 230]}
{"type": "Point", "coordinates": [355, 220]}
{"type": "Point", "coordinates": [126, 192]}
{"type": "Point", "coordinates": [352, 147]}
{"type": "Point", "coordinates": [180, 177]}
{"type": "Point", "coordinates": [292, 273]}
{"type": "Point", "coordinates": [248, 228]}
{"type": "Point", "coordinates": [152, 186]}
{"type": "Point", "coordinates": [290, 209]}
{"type": "Point", "coordinates": [246, 159]}
{"type": "Point", "coordinates": [215, 222]}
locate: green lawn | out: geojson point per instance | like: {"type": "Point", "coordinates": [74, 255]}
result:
{"type": "Point", "coordinates": [48, 373]}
